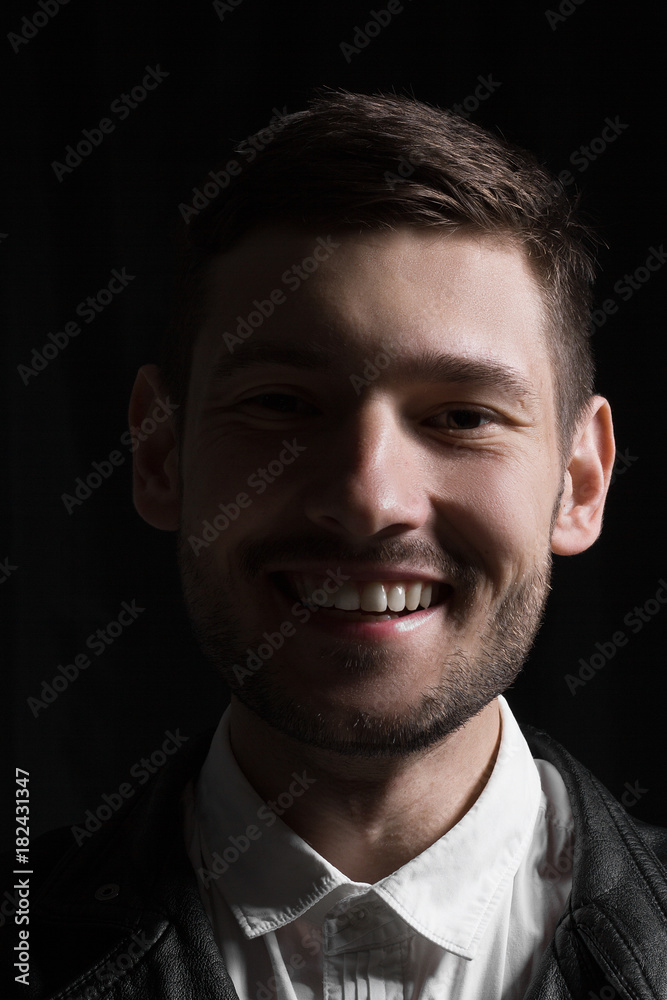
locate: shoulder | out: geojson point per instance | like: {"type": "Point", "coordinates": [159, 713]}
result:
{"type": "Point", "coordinates": [596, 811]}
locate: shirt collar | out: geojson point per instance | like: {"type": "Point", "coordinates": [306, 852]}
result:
{"type": "Point", "coordinates": [269, 876]}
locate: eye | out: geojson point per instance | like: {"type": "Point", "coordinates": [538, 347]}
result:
{"type": "Point", "coordinates": [279, 402]}
{"type": "Point", "coordinates": [462, 420]}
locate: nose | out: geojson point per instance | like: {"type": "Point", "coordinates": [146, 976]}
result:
{"type": "Point", "coordinates": [372, 478]}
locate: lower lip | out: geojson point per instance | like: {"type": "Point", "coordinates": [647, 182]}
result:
{"type": "Point", "coordinates": [392, 627]}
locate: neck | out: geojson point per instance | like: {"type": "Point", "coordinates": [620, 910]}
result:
{"type": "Point", "coordinates": [368, 817]}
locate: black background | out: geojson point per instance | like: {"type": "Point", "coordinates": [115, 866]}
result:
{"type": "Point", "coordinates": [119, 209]}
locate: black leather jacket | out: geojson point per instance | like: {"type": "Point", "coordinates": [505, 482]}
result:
{"type": "Point", "coordinates": [121, 917]}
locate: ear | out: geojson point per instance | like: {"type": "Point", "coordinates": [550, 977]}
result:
{"type": "Point", "coordinates": [155, 444]}
{"type": "Point", "coordinates": [586, 481]}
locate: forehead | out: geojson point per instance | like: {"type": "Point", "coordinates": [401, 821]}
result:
{"type": "Point", "coordinates": [352, 294]}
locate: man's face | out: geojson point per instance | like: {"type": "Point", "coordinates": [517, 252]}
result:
{"type": "Point", "coordinates": [385, 419]}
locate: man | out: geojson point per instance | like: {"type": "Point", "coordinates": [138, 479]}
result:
{"type": "Point", "coordinates": [383, 427]}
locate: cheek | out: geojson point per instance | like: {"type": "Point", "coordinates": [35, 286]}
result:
{"type": "Point", "coordinates": [503, 513]}
{"type": "Point", "coordinates": [213, 492]}
{"type": "Point", "coordinates": [237, 487]}
{"type": "Point", "coordinates": [216, 469]}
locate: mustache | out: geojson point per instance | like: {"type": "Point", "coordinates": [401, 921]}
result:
{"type": "Point", "coordinates": [462, 571]}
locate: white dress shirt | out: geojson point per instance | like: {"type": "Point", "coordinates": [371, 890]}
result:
{"type": "Point", "coordinates": [468, 918]}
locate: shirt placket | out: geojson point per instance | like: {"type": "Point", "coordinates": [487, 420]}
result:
{"type": "Point", "coordinates": [365, 951]}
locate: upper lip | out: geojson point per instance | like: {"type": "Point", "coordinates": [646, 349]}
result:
{"type": "Point", "coordinates": [367, 573]}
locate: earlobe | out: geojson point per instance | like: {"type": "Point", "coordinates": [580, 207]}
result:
{"type": "Point", "coordinates": [586, 482]}
{"type": "Point", "coordinates": [155, 464]}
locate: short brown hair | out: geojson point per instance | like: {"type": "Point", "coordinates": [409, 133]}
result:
{"type": "Point", "coordinates": [358, 161]}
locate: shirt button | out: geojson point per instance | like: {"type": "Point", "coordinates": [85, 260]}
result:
{"type": "Point", "coordinates": [107, 891]}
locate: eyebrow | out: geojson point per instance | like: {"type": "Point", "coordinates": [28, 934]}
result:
{"type": "Point", "coordinates": [484, 372]}
{"type": "Point", "coordinates": [252, 355]}
{"type": "Point", "coordinates": [428, 367]}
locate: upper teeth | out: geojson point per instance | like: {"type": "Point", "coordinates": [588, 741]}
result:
{"type": "Point", "coordinates": [365, 595]}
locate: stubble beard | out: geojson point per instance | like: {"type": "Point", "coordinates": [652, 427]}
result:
{"type": "Point", "coordinates": [469, 681]}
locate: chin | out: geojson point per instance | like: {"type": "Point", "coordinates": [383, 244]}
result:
{"type": "Point", "coordinates": [356, 724]}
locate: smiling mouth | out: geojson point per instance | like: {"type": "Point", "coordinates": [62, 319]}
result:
{"type": "Point", "coordinates": [364, 601]}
